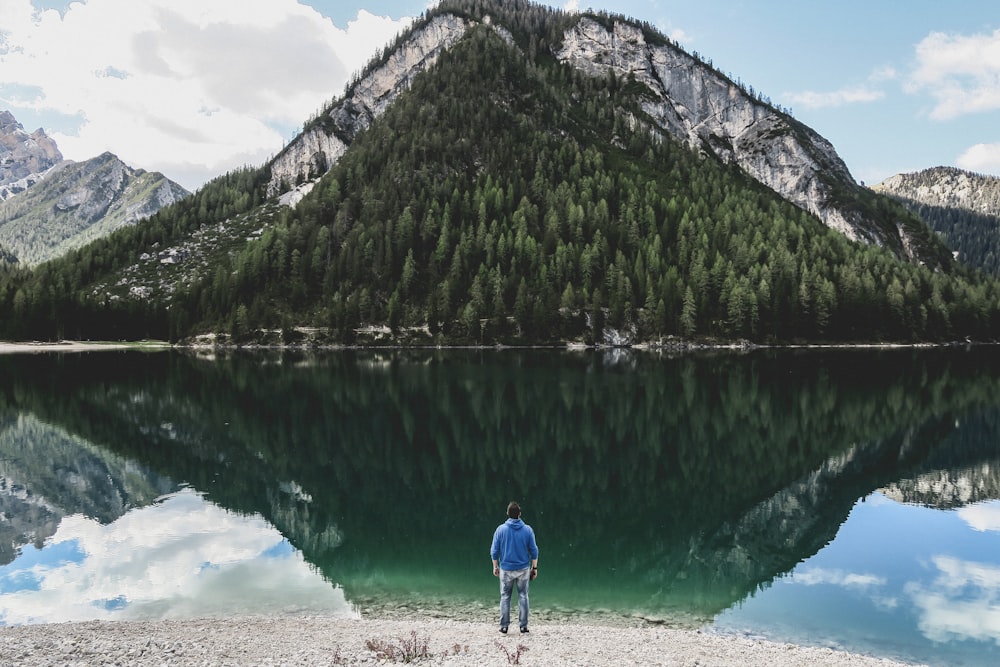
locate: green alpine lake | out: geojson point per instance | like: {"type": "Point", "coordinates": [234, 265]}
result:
{"type": "Point", "coordinates": [840, 497]}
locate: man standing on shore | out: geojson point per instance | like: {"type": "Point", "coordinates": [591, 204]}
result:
{"type": "Point", "coordinates": [515, 561]}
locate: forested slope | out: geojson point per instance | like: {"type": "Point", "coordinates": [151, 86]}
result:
{"type": "Point", "coordinates": [961, 206]}
{"type": "Point", "coordinates": [517, 206]}
{"type": "Point", "coordinates": [505, 197]}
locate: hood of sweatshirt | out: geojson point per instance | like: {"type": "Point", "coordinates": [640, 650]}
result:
{"type": "Point", "coordinates": [516, 524]}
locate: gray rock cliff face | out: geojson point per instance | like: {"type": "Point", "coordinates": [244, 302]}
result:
{"type": "Point", "coordinates": [318, 148]}
{"type": "Point", "coordinates": [24, 158]}
{"type": "Point", "coordinates": [708, 112]}
{"type": "Point", "coordinates": [946, 187]}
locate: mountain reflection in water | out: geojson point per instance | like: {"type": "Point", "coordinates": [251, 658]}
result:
{"type": "Point", "coordinates": [662, 488]}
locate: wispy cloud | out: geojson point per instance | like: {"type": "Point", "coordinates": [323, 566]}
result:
{"type": "Point", "coordinates": [837, 98]}
{"type": "Point", "coordinates": [185, 87]}
{"type": "Point", "coordinates": [678, 35]}
{"type": "Point", "coordinates": [817, 576]}
{"type": "Point", "coordinates": [869, 91]}
{"type": "Point", "coordinates": [961, 73]}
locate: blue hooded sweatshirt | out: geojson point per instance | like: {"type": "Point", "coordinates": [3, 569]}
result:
{"type": "Point", "coordinates": [514, 545]}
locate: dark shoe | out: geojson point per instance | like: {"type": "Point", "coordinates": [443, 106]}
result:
{"type": "Point", "coordinates": [503, 630]}
{"type": "Point", "coordinates": [524, 630]}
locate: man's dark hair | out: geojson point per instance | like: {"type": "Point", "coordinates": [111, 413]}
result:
{"type": "Point", "coordinates": [514, 510]}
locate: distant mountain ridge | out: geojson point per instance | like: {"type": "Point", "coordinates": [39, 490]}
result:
{"type": "Point", "coordinates": [946, 186]}
{"type": "Point", "coordinates": [24, 158]}
{"type": "Point", "coordinates": [961, 206]}
{"type": "Point", "coordinates": [57, 205]}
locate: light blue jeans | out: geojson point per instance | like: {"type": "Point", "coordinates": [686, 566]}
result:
{"type": "Point", "coordinates": [507, 581]}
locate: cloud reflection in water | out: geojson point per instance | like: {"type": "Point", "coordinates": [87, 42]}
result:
{"type": "Point", "coordinates": [962, 603]}
{"type": "Point", "coordinates": [181, 557]}
{"type": "Point", "coordinates": [963, 600]}
{"type": "Point", "coordinates": [982, 517]}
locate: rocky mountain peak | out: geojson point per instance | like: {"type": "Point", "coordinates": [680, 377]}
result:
{"type": "Point", "coordinates": [687, 99]}
{"type": "Point", "coordinates": [962, 207]}
{"type": "Point", "coordinates": [78, 202]}
{"type": "Point", "coordinates": [705, 109]}
{"type": "Point", "coordinates": [946, 187]}
{"type": "Point", "coordinates": [24, 157]}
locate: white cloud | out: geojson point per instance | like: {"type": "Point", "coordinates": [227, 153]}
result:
{"type": "Point", "coordinates": [817, 576]}
{"type": "Point", "coordinates": [982, 516]}
{"type": "Point", "coordinates": [837, 98]}
{"type": "Point", "coordinates": [679, 36]}
{"type": "Point", "coordinates": [869, 91]}
{"type": "Point", "coordinates": [961, 72]}
{"type": "Point", "coordinates": [963, 602]}
{"type": "Point", "coordinates": [886, 73]}
{"type": "Point", "coordinates": [572, 6]}
{"type": "Point", "coordinates": [180, 86]}
{"type": "Point", "coordinates": [182, 557]}
{"type": "Point", "coordinates": [982, 158]}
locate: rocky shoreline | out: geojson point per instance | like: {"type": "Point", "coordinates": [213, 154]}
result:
{"type": "Point", "coordinates": [307, 641]}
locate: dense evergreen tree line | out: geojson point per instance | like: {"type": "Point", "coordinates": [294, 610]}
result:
{"type": "Point", "coordinates": [506, 197]}
{"type": "Point", "coordinates": [521, 206]}
{"type": "Point", "coordinates": [975, 237]}
{"type": "Point", "coordinates": [57, 300]}
{"type": "Point", "coordinates": [342, 414]}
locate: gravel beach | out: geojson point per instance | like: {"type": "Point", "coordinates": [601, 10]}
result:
{"type": "Point", "coordinates": [333, 641]}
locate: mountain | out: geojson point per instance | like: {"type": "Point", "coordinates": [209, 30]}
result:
{"type": "Point", "coordinates": [963, 207]}
{"type": "Point", "coordinates": [678, 96]}
{"type": "Point", "coordinates": [947, 187]}
{"type": "Point", "coordinates": [508, 173]}
{"type": "Point", "coordinates": [77, 202]}
{"type": "Point", "coordinates": [24, 158]}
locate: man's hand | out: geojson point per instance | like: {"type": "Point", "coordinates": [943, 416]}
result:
{"type": "Point", "coordinates": [496, 571]}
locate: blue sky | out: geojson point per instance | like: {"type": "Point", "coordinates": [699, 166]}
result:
{"type": "Point", "coordinates": [194, 88]}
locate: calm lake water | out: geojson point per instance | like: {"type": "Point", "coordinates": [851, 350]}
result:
{"type": "Point", "coordinates": [847, 498]}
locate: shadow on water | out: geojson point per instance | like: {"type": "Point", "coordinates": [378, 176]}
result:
{"type": "Point", "coordinates": [660, 488]}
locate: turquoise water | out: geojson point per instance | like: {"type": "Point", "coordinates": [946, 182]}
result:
{"type": "Point", "coordinates": [841, 498]}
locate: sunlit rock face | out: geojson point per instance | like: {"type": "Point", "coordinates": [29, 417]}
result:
{"type": "Point", "coordinates": [704, 109]}
{"type": "Point", "coordinates": [78, 202]}
{"type": "Point", "coordinates": [104, 184]}
{"type": "Point", "coordinates": [319, 147]}
{"type": "Point", "coordinates": [24, 158]}
{"type": "Point", "coordinates": [946, 187]}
